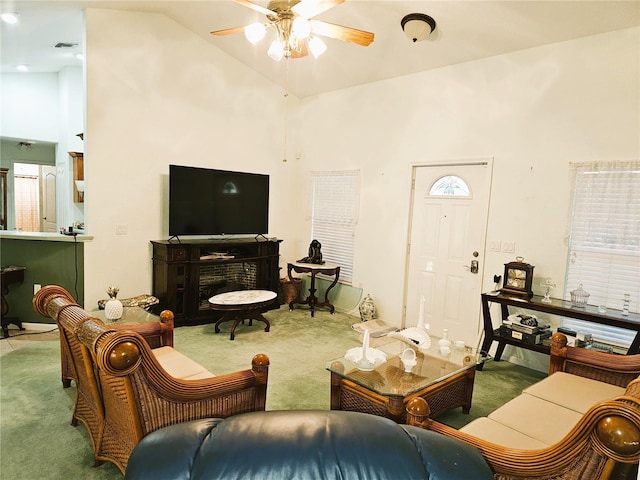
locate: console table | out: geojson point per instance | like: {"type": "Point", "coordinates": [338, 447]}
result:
{"type": "Point", "coordinates": [313, 269]}
{"type": "Point", "coordinates": [589, 313]}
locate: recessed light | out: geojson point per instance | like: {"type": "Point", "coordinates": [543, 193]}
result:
{"type": "Point", "coordinates": [10, 17]}
{"type": "Point", "coordinates": [22, 68]}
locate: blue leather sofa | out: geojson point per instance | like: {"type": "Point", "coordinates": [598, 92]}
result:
{"type": "Point", "coordinates": [300, 444]}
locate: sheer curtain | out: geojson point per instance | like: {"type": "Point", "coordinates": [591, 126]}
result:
{"type": "Point", "coordinates": [604, 241]}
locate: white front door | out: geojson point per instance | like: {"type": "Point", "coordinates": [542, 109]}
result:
{"type": "Point", "coordinates": [48, 199]}
{"type": "Point", "coordinates": [447, 247]}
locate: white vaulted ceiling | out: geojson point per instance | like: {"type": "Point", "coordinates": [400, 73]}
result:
{"type": "Point", "coordinates": [466, 30]}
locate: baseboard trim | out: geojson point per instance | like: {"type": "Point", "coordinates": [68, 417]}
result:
{"type": "Point", "coordinates": [530, 362]}
{"type": "Point", "coordinates": [36, 327]}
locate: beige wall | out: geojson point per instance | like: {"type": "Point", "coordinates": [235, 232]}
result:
{"type": "Point", "coordinates": [533, 111]}
{"type": "Point", "coordinates": [158, 95]}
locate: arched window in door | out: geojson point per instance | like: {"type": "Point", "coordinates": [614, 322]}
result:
{"type": "Point", "coordinates": [449, 186]}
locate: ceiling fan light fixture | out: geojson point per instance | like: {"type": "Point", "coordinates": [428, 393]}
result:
{"type": "Point", "coordinates": [316, 46]}
{"type": "Point", "coordinates": [301, 27]}
{"type": "Point", "coordinates": [255, 32]}
{"type": "Point", "coordinates": [418, 26]}
{"type": "Point", "coordinates": [295, 27]}
{"type": "Point", "coordinates": [276, 50]}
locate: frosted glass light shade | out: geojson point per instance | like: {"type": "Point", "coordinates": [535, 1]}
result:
{"type": "Point", "coordinates": [80, 185]}
{"type": "Point", "coordinates": [255, 32]}
{"type": "Point", "coordinates": [10, 17]}
{"type": "Point", "coordinates": [317, 46]}
{"type": "Point", "coordinates": [276, 50]}
{"type": "Point", "coordinates": [301, 27]}
{"type": "Point", "coordinates": [418, 26]}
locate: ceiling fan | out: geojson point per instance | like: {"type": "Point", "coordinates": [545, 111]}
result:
{"type": "Point", "coordinates": [296, 31]}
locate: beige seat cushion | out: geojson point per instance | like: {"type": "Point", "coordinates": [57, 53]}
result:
{"type": "Point", "coordinates": [536, 418]}
{"type": "Point", "coordinates": [179, 365]}
{"type": "Point", "coordinates": [495, 432]}
{"type": "Point", "coordinates": [573, 392]}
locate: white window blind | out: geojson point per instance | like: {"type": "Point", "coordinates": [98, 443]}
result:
{"type": "Point", "coordinates": [604, 242]}
{"type": "Point", "coordinates": [334, 216]}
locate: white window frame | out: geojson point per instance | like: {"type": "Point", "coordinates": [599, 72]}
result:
{"type": "Point", "coordinates": [604, 243]}
{"type": "Point", "coordinates": [335, 205]}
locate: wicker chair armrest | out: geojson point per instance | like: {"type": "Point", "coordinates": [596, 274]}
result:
{"type": "Point", "coordinates": [605, 367]}
{"type": "Point", "coordinates": [161, 330]}
{"type": "Point", "coordinates": [125, 353]}
{"type": "Point", "coordinates": [609, 432]}
{"type": "Point", "coordinates": [50, 300]}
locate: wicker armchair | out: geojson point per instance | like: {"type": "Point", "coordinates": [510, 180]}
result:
{"type": "Point", "coordinates": [124, 393]}
{"type": "Point", "coordinates": [76, 363]}
{"type": "Point", "coordinates": [49, 301]}
{"type": "Point", "coordinates": [604, 445]}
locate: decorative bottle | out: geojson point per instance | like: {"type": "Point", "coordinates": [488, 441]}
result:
{"type": "Point", "coordinates": [444, 341]}
{"type": "Point", "coordinates": [113, 307]}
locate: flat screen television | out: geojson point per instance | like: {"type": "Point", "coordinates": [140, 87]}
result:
{"type": "Point", "coordinates": [204, 201]}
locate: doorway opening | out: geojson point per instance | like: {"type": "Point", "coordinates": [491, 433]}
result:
{"type": "Point", "coordinates": [34, 193]}
{"type": "Point", "coordinates": [26, 189]}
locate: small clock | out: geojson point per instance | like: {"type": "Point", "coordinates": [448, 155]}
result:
{"type": "Point", "coordinates": [518, 278]}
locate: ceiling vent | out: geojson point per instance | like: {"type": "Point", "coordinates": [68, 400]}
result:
{"type": "Point", "coordinates": [65, 45]}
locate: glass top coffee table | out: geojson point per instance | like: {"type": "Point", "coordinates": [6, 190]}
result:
{"type": "Point", "coordinates": [445, 382]}
{"type": "Point", "coordinates": [157, 330]}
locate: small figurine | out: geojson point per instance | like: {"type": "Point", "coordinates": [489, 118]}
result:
{"type": "Point", "coordinates": [315, 255]}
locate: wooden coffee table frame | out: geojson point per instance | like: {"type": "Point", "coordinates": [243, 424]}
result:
{"type": "Point", "coordinates": [244, 310]}
{"type": "Point", "coordinates": [449, 393]}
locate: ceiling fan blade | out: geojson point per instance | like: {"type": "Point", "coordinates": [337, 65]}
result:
{"type": "Point", "coordinates": [346, 34]}
{"type": "Point", "coordinates": [256, 7]}
{"type": "Point", "coordinates": [228, 31]}
{"type": "Point", "coordinates": [311, 8]}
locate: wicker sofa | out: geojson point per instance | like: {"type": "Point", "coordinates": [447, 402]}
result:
{"type": "Point", "coordinates": [125, 389]}
{"type": "Point", "coordinates": [580, 422]}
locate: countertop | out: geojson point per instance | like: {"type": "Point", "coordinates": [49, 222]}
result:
{"type": "Point", "coordinates": [43, 236]}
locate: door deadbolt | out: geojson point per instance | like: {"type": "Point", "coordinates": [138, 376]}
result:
{"type": "Point", "coordinates": [474, 266]}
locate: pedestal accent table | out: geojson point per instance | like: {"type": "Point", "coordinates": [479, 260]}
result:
{"type": "Point", "coordinates": [313, 269]}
